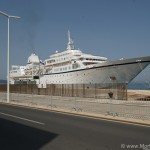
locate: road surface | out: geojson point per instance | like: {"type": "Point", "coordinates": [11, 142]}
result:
{"type": "Point", "coordinates": [30, 129]}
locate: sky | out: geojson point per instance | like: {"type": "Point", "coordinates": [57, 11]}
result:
{"type": "Point", "coordinates": [111, 28]}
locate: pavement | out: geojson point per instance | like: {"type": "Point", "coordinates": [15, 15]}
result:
{"type": "Point", "coordinates": [25, 128]}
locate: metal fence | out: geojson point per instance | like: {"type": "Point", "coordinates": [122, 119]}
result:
{"type": "Point", "coordinates": [115, 91]}
{"type": "Point", "coordinates": [91, 99]}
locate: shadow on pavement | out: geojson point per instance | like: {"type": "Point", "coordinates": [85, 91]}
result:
{"type": "Point", "coordinates": [15, 136]}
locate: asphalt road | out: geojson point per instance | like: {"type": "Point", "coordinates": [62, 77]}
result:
{"type": "Point", "coordinates": [31, 129]}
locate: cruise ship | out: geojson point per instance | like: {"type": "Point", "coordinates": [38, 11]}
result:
{"type": "Point", "coordinates": [72, 66]}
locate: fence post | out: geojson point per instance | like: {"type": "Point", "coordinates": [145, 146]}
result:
{"type": "Point", "coordinates": [83, 90]}
{"type": "Point", "coordinates": [72, 90]}
{"type": "Point", "coordinates": [95, 90]}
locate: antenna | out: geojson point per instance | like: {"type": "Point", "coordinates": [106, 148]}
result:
{"type": "Point", "coordinates": [69, 36]}
{"type": "Point", "coordinates": [70, 45]}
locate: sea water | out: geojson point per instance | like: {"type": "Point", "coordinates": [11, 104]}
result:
{"type": "Point", "coordinates": [139, 86]}
{"type": "Point", "coordinates": [3, 81]}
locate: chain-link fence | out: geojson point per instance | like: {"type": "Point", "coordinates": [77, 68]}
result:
{"type": "Point", "coordinates": [93, 99]}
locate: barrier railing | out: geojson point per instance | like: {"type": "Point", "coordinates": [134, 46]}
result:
{"type": "Point", "coordinates": [94, 99]}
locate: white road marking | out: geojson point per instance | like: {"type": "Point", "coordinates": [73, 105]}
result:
{"type": "Point", "coordinates": [33, 121]}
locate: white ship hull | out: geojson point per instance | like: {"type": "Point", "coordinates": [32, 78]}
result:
{"type": "Point", "coordinates": [121, 71]}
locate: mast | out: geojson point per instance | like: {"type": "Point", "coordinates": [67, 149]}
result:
{"type": "Point", "coordinates": [70, 45]}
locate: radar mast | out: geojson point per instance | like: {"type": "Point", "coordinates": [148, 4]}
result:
{"type": "Point", "coordinates": [70, 45]}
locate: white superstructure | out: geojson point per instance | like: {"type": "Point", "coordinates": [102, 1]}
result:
{"type": "Point", "coordinates": [71, 59]}
{"type": "Point", "coordinates": [72, 66]}
{"type": "Point", "coordinates": [27, 73]}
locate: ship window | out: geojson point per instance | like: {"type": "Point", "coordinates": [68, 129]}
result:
{"type": "Point", "coordinates": [75, 66]}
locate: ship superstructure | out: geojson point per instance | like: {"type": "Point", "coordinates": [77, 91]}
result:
{"type": "Point", "coordinates": [27, 73]}
{"type": "Point", "coordinates": [69, 60]}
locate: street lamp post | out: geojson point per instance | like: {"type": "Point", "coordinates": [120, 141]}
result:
{"type": "Point", "coordinates": [8, 50]}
